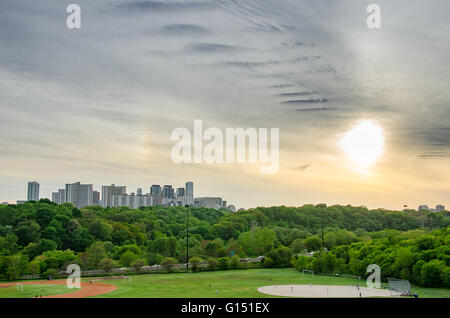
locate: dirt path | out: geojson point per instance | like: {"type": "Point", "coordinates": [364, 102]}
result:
{"type": "Point", "coordinates": [86, 290]}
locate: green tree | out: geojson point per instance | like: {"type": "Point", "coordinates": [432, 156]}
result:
{"type": "Point", "coordinates": [301, 263]}
{"type": "Point", "coordinates": [312, 243]}
{"type": "Point", "coordinates": [106, 264]}
{"type": "Point", "coordinates": [432, 273]}
{"type": "Point", "coordinates": [281, 256]}
{"type": "Point", "coordinates": [223, 263]}
{"type": "Point", "coordinates": [235, 262]}
{"type": "Point", "coordinates": [17, 266]}
{"type": "Point", "coordinates": [446, 277]}
{"type": "Point", "coordinates": [212, 263]}
{"type": "Point", "coordinates": [127, 259]}
{"type": "Point", "coordinates": [96, 253]}
{"type": "Point", "coordinates": [34, 267]}
{"type": "Point", "coordinates": [195, 263]}
{"type": "Point", "coordinates": [268, 262]}
{"type": "Point", "coordinates": [138, 264]}
{"type": "Point", "coordinates": [168, 263]}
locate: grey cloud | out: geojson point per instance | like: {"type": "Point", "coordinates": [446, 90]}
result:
{"type": "Point", "coordinates": [434, 155]}
{"type": "Point", "coordinates": [184, 29]}
{"type": "Point", "coordinates": [145, 6]}
{"type": "Point", "coordinates": [211, 47]}
{"type": "Point", "coordinates": [434, 137]}
{"type": "Point", "coordinates": [305, 101]}
{"type": "Point", "coordinates": [250, 64]}
{"type": "Point", "coordinates": [296, 94]}
{"type": "Point", "coordinates": [315, 109]}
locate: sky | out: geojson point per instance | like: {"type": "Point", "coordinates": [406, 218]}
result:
{"type": "Point", "coordinates": [98, 104]}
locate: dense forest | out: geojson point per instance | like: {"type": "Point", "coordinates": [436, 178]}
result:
{"type": "Point", "coordinates": [43, 238]}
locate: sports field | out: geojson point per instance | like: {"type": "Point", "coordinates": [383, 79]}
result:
{"type": "Point", "coordinates": [232, 284]}
{"type": "Point", "coordinates": [30, 291]}
{"type": "Point", "coordinates": [217, 284]}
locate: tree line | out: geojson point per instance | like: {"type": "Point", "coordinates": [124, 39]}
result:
{"type": "Point", "coordinates": [43, 238]}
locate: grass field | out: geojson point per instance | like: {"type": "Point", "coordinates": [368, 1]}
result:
{"type": "Point", "coordinates": [33, 290]}
{"type": "Point", "coordinates": [231, 283]}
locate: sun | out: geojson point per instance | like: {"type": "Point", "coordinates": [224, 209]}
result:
{"type": "Point", "coordinates": [364, 143]}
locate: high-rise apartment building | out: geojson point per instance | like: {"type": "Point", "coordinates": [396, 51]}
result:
{"type": "Point", "coordinates": [168, 192]}
{"type": "Point", "coordinates": [109, 191]}
{"type": "Point", "coordinates": [180, 193]}
{"type": "Point", "coordinates": [190, 188]}
{"type": "Point", "coordinates": [155, 189]}
{"type": "Point", "coordinates": [95, 197]}
{"type": "Point", "coordinates": [33, 191]}
{"type": "Point", "coordinates": [80, 195]}
{"type": "Point", "coordinates": [189, 200]}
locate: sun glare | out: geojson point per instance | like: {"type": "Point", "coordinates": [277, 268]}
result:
{"type": "Point", "coordinates": [364, 143]}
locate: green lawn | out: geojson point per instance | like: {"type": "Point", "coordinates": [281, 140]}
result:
{"type": "Point", "coordinates": [231, 283]}
{"type": "Point", "coordinates": [33, 290]}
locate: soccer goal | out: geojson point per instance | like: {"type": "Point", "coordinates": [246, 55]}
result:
{"type": "Point", "coordinates": [19, 287]}
{"type": "Point", "coordinates": [308, 271]}
{"type": "Point", "coordinates": [399, 287]}
{"type": "Point", "coordinates": [125, 278]}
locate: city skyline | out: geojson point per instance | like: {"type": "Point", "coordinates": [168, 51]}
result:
{"type": "Point", "coordinates": [102, 101]}
{"type": "Point", "coordinates": [105, 197]}
{"type": "Point", "coordinates": [82, 195]}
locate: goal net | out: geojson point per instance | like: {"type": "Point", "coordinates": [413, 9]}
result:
{"type": "Point", "coordinates": [308, 271]}
{"type": "Point", "coordinates": [399, 287]}
{"type": "Point", "coordinates": [125, 278]}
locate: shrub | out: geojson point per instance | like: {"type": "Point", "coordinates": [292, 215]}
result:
{"type": "Point", "coordinates": [168, 263]}
{"type": "Point", "coordinates": [212, 264]}
{"type": "Point", "coordinates": [195, 263]}
{"type": "Point", "coordinates": [223, 263]}
{"type": "Point", "coordinates": [127, 258]}
{"type": "Point", "coordinates": [431, 273]}
{"type": "Point", "coordinates": [268, 262]}
{"type": "Point", "coordinates": [106, 264]}
{"type": "Point", "coordinates": [235, 262]}
{"type": "Point", "coordinates": [137, 265]}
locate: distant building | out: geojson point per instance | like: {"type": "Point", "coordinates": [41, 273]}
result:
{"type": "Point", "coordinates": [59, 197]}
{"type": "Point", "coordinates": [4, 203]}
{"type": "Point", "coordinates": [55, 197]}
{"type": "Point", "coordinates": [80, 195]}
{"type": "Point", "coordinates": [168, 192]}
{"type": "Point", "coordinates": [208, 202]}
{"type": "Point", "coordinates": [109, 191]}
{"type": "Point", "coordinates": [139, 191]}
{"type": "Point", "coordinates": [180, 192]}
{"type": "Point", "coordinates": [155, 189]}
{"type": "Point", "coordinates": [33, 191]}
{"type": "Point", "coordinates": [132, 200]}
{"type": "Point", "coordinates": [189, 186]}
{"type": "Point", "coordinates": [425, 207]}
{"type": "Point", "coordinates": [21, 202]}
{"type": "Point", "coordinates": [95, 197]}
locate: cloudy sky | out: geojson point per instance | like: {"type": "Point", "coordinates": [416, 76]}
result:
{"type": "Point", "coordinates": [98, 104]}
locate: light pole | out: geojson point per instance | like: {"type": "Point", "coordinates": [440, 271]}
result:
{"type": "Point", "coordinates": [322, 231]}
{"type": "Point", "coordinates": [187, 237]}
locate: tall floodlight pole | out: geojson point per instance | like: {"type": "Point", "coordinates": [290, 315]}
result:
{"type": "Point", "coordinates": [187, 237]}
{"type": "Point", "coordinates": [322, 231]}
